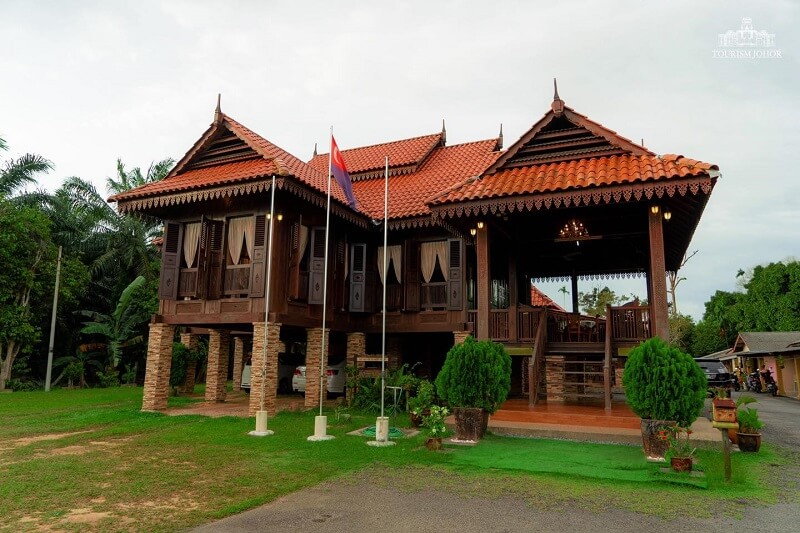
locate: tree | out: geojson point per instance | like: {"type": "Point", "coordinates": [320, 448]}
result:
{"type": "Point", "coordinates": [23, 260]}
{"type": "Point", "coordinates": [594, 302]}
{"type": "Point", "coordinates": [563, 290]}
{"type": "Point", "coordinates": [772, 300]}
{"type": "Point", "coordinates": [121, 329]}
{"type": "Point", "coordinates": [20, 172]}
{"type": "Point", "coordinates": [681, 331]}
{"type": "Point", "coordinates": [674, 281]}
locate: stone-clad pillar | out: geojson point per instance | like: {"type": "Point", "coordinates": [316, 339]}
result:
{"type": "Point", "coordinates": [191, 342]}
{"type": "Point", "coordinates": [273, 345]}
{"type": "Point", "coordinates": [238, 362]}
{"type": "Point", "coordinates": [459, 337]}
{"type": "Point", "coordinates": [313, 353]}
{"type": "Point", "coordinates": [159, 364]}
{"type": "Point", "coordinates": [217, 372]}
{"type": "Point", "coordinates": [356, 347]}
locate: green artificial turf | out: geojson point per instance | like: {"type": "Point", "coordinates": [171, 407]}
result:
{"type": "Point", "coordinates": [589, 460]}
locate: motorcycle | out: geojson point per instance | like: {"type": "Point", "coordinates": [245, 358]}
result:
{"type": "Point", "coordinates": [754, 382]}
{"type": "Point", "coordinates": [735, 384]}
{"type": "Point", "coordinates": [772, 387]}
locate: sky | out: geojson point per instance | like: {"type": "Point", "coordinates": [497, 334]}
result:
{"type": "Point", "coordinates": [84, 83]}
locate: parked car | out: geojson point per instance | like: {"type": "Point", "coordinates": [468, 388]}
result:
{"type": "Point", "coordinates": [286, 366]}
{"type": "Point", "coordinates": [716, 373]}
{"type": "Point", "coordinates": [337, 378]}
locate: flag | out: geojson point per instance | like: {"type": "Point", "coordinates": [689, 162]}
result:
{"type": "Point", "coordinates": [339, 171]}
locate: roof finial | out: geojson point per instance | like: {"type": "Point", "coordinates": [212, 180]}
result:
{"type": "Point", "coordinates": [218, 110]}
{"type": "Point", "coordinates": [444, 134]}
{"type": "Point", "coordinates": [558, 103]}
{"type": "Point", "coordinates": [500, 138]}
{"type": "Point", "coordinates": [315, 150]}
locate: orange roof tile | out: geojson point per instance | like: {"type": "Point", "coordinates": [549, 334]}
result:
{"type": "Point", "coordinates": [577, 174]}
{"type": "Point", "coordinates": [273, 160]}
{"type": "Point", "coordinates": [444, 168]}
{"type": "Point", "coordinates": [401, 153]}
{"type": "Point", "coordinates": [540, 299]}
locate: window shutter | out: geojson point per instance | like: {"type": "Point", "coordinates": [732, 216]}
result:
{"type": "Point", "coordinates": [214, 239]}
{"type": "Point", "coordinates": [339, 292]}
{"type": "Point", "coordinates": [358, 274]}
{"type": "Point", "coordinates": [170, 261]}
{"type": "Point", "coordinates": [316, 267]}
{"type": "Point", "coordinates": [411, 275]}
{"type": "Point", "coordinates": [294, 261]}
{"type": "Point", "coordinates": [455, 280]}
{"type": "Point", "coordinates": [257, 268]}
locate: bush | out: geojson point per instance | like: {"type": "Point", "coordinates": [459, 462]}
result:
{"type": "Point", "coordinates": [109, 378]}
{"type": "Point", "coordinates": [180, 360]}
{"type": "Point", "coordinates": [663, 383]}
{"type": "Point", "coordinates": [475, 374]}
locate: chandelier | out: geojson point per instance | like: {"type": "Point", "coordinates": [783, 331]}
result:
{"type": "Point", "coordinates": [574, 230]}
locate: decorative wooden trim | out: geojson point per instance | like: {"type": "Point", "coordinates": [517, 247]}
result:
{"type": "Point", "coordinates": [575, 198]}
{"type": "Point", "coordinates": [591, 277]}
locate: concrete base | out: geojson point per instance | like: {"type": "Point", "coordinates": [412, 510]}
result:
{"type": "Point", "coordinates": [261, 425]}
{"type": "Point", "coordinates": [320, 429]}
{"type": "Point", "coordinates": [381, 433]}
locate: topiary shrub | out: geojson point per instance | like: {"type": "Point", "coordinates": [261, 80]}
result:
{"type": "Point", "coordinates": [663, 383]}
{"type": "Point", "coordinates": [475, 374]}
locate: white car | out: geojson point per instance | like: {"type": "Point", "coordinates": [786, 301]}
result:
{"type": "Point", "coordinates": [337, 378]}
{"type": "Point", "coordinates": [286, 367]}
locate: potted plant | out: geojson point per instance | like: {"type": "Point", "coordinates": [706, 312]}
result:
{"type": "Point", "coordinates": [437, 429]}
{"type": "Point", "coordinates": [419, 405]}
{"type": "Point", "coordinates": [664, 387]}
{"type": "Point", "coordinates": [680, 447]}
{"type": "Point", "coordinates": [749, 436]}
{"type": "Point", "coordinates": [474, 381]}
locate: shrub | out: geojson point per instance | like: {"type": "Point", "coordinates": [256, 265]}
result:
{"type": "Point", "coordinates": [109, 378]}
{"type": "Point", "coordinates": [180, 359]}
{"type": "Point", "coordinates": [663, 383]}
{"type": "Point", "coordinates": [475, 374]}
{"type": "Point", "coordinates": [748, 419]}
{"type": "Point", "coordinates": [423, 399]}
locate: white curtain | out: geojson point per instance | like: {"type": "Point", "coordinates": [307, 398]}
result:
{"type": "Point", "coordinates": [302, 242]}
{"type": "Point", "coordinates": [236, 229]}
{"type": "Point", "coordinates": [429, 252]}
{"type": "Point", "coordinates": [396, 257]}
{"type": "Point", "coordinates": [191, 241]}
{"type": "Point", "coordinates": [250, 236]}
{"type": "Point", "coordinates": [394, 254]}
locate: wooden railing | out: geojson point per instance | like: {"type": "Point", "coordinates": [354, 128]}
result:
{"type": "Point", "coordinates": [536, 368]}
{"type": "Point", "coordinates": [433, 295]}
{"type": "Point", "coordinates": [498, 324]}
{"type": "Point", "coordinates": [237, 280]}
{"type": "Point", "coordinates": [528, 319]}
{"type": "Point", "coordinates": [630, 323]}
{"type": "Point", "coordinates": [509, 325]}
{"type": "Point", "coordinates": [568, 327]}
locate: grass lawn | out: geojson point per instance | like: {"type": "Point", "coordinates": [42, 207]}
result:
{"type": "Point", "coordinates": [90, 458]}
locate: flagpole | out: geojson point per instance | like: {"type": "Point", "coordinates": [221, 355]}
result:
{"type": "Point", "coordinates": [382, 424]}
{"type": "Point", "coordinates": [321, 422]}
{"type": "Point", "coordinates": [262, 415]}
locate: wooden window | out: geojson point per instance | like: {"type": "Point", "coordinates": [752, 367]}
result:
{"type": "Point", "coordinates": [358, 277]}
{"type": "Point", "coordinates": [258, 265]}
{"type": "Point", "coordinates": [455, 279]}
{"type": "Point", "coordinates": [316, 271]}
{"type": "Point", "coordinates": [170, 261]}
{"type": "Point", "coordinates": [411, 275]}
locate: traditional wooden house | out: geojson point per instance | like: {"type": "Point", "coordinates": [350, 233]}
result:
{"type": "Point", "coordinates": [470, 226]}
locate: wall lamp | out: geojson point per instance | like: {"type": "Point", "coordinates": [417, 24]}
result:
{"type": "Point", "coordinates": [278, 217]}
{"type": "Point", "coordinates": [654, 209]}
{"type": "Point", "coordinates": [667, 214]}
{"type": "Point", "coordinates": [473, 231]}
{"type": "Point", "coordinates": [480, 224]}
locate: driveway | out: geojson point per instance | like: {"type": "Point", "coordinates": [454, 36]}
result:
{"type": "Point", "coordinates": [781, 417]}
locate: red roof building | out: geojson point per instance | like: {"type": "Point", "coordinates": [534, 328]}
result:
{"type": "Point", "coordinates": [470, 226]}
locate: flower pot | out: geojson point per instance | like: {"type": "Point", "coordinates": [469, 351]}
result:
{"type": "Point", "coordinates": [434, 443]}
{"type": "Point", "coordinates": [471, 423]}
{"type": "Point", "coordinates": [655, 447]}
{"type": "Point", "coordinates": [732, 436]}
{"type": "Point", "coordinates": [681, 464]}
{"type": "Point", "coordinates": [749, 442]}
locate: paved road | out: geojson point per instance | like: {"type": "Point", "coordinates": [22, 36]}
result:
{"type": "Point", "coordinates": [781, 416]}
{"type": "Point", "coordinates": [366, 506]}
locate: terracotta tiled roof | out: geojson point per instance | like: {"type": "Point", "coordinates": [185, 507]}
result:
{"type": "Point", "coordinates": [578, 174]}
{"type": "Point", "coordinates": [444, 168]}
{"type": "Point", "coordinates": [268, 159]}
{"type": "Point", "coordinates": [204, 177]}
{"type": "Point", "coordinates": [540, 299]}
{"type": "Point", "coordinates": [369, 158]}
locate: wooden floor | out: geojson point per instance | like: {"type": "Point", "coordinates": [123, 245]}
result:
{"type": "Point", "coordinates": [517, 410]}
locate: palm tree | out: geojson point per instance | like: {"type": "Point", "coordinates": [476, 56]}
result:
{"type": "Point", "coordinates": [15, 174]}
{"type": "Point", "coordinates": [563, 290]}
{"type": "Point", "coordinates": [121, 328]}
